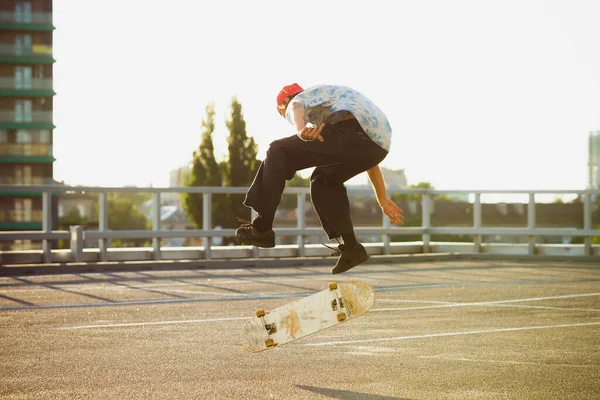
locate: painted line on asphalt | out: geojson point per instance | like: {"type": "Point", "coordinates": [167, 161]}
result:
{"type": "Point", "coordinates": [260, 296]}
{"type": "Point", "coordinates": [112, 286]}
{"type": "Point", "coordinates": [154, 302]}
{"type": "Point", "coordinates": [443, 304]}
{"type": "Point", "coordinates": [479, 360]}
{"type": "Point", "coordinates": [500, 303]}
{"type": "Point", "coordinates": [510, 362]}
{"type": "Point", "coordinates": [448, 334]}
{"type": "Point", "coordinates": [566, 296]}
{"type": "Point", "coordinates": [187, 321]}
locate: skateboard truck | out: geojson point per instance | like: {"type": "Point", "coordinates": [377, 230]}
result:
{"type": "Point", "coordinates": [338, 301]}
{"type": "Point", "coordinates": [270, 328]}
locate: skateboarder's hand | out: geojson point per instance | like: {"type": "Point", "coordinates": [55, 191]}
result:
{"type": "Point", "coordinates": [393, 211]}
{"type": "Point", "coordinates": [310, 133]}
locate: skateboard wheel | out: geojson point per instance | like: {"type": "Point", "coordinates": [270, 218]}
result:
{"type": "Point", "coordinates": [260, 313]}
{"type": "Point", "coordinates": [341, 317]}
{"type": "Point", "coordinates": [333, 285]}
{"type": "Point", "coordinates": [270, 343]}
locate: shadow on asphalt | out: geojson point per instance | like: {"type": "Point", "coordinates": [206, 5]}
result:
{"type": "Point", "coordinates": [346, 394]}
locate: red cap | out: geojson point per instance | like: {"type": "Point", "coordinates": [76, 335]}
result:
{"type": "Point", "coordinates": [287, 91]}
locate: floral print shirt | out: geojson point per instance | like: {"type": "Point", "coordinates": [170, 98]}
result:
{"type": "Point", "coordinates": [330, 104]}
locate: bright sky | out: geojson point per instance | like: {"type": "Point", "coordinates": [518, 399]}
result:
{"type": "Point", "coordinates": [480, 94]}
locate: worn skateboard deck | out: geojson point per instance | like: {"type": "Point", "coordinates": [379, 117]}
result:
{"type": "Point", "coordinates": [340, 302]}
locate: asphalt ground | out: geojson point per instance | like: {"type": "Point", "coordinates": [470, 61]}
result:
{"type": "Point", "coordinates": [439, 330]}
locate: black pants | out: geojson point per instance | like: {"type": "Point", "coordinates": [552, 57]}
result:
{"type": "Point", "coordinates": [345, 152]}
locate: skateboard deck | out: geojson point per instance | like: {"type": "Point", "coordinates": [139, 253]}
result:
{"type": "Point", "coordinates": [340, 302]}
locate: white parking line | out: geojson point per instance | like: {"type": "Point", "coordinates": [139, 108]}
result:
{"type": "Point", "coordinates": [537, 364]}
{"type": "Point", "coordinates": [500, 303]}
{"type": "Point", "coordinates": [111, 286]}
{"type": "Point", "coordinates": [185, 321]}
{"type": "Point", "coordinates": [446, 334]}
{"type": "Point", "coordinates": [438, 304]}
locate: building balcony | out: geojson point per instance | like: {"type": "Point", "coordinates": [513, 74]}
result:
{"type": "Point", "coordinates": [28, 21]}
{"type": "Point", "coordinates": [23, 183]}
{"type": "Point", "coordinates": [21, 220]}
{"type": "Point", "coordinates": [33, 180]}
{"type": "Point", "coordinates": [25, 153]}
{"type": "Point", "coordinates": [34, 87]}
{"type": "Point", "coordinates": [36, 54]}
{"type": "Point", "coordinates": [26, 120]}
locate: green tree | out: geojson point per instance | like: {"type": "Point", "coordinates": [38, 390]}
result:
{"type": "Point", "coordinates": [417, 197]}
{"type": "Point", "coordinates": [137, 198]}
{"type": "Point", "coordinates": [124, 214]}
{"type": "Point", "coordinates": [242, 163]}
{"type": "Point", "coordinates": [287, 201]}
{"type": "Point", "coordinates": [205, 172]}
{"type": "Point", "coordinates": [412, 197]}
{"type": "Point", "coordinates": [72, 218]}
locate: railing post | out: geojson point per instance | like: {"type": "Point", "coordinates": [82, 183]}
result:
{"type": "Point", "coordinates": [76, 243]}
{"type": "Point", "coordinates": [255, 249]}
{"type": "Point", "coordinates": [207, 222]}
{"type": "Point", "coordinates": [587, 223]}
{"type": "Point", "coordinates": [426, 207]}
{"type": "Point", "coordinates": [301, 201]}
{"type": "Point", "coordinates": [531, 223]}
{"type": "Point", "coordinates": [103, 224]}
{"type": "Point", "coordinates": [477, 222]}
{"type": "Point", "coordinates": [156, 224]}
{"type": "Point", "coordinates": [386, 223]}
{"type": "Point", "coordinates": [47, 225]}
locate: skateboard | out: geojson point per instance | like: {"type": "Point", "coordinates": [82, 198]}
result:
{"type": "Point", "coordinates": [338, 303]}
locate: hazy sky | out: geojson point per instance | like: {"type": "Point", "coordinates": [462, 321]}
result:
{"type": "Point", "coordinates": [480, 94]}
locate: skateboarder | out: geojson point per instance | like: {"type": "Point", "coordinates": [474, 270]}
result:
{"type": "Point", "coordinates": [340, 132]}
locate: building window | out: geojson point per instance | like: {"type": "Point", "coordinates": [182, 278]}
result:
{"type": "Point", "coordinates": [23, 12]}
{"type": "Point", "coordinates": [23, 111]}
{"type": "Point", "coordinates": [23, 175]}
{"type": "Point", "coordinates": [24, 137]}
{"type": "Point", "coordinates": [23, 45]}
{"type": "Point", "coordinates": [23, 210]}
{"type": "Point", "coordinates": [3, 136]}
{"type": "Point", "coordinates": [23, 77]}
{"type": "Point", "coordinates": [45, 137]}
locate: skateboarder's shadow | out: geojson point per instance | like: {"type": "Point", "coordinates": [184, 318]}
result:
{"type": "Point", "coordinates": [346, 394]}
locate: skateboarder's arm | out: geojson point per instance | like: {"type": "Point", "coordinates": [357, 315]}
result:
{"type": "Point", "coordinates": [388, 207]}
{"type": "Point", "coordinates": [305, 132]}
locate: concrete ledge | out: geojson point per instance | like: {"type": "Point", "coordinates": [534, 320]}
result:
{"type": "Point", "coordinates": [123, 266]}
{"type": "Point", "coordinates": [125, 259]}
{"type": "Point", "coordinates": [76, 268]}
{"type": "Point", "coordinates": [175, 253]}
{"type": "Point", "coordinates": [21, 257]}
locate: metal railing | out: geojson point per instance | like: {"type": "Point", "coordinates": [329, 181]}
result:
{"type": "Point", "coordinates": [39, 18]}
{"type": "Point", "coordinates": [103, 234]}
{"type": "Point", "coordinates": [28, 150]}
{"type": "Point", "coordinates": [21, 215]}
{"type": "Point", "coordinates": [33, 180]}
{"type": "Point", "coordinates": [38, 50]}
{"type": "Point", "coordinates": [9, 82]}
{"type": "Point", "coordinates": [25, 116]}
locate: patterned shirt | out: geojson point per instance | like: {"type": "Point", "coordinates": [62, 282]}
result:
{"type": "Point", "coordinates": [330, 104]}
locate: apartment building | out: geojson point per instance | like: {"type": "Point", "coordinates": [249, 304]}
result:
{"type": "Point", "coordinates": [26, 122]}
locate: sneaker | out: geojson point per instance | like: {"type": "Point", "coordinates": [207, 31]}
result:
{"type": "Point", "coordinates": [247, 234]}
{"type": "Point", "coordinates": [350, 257]}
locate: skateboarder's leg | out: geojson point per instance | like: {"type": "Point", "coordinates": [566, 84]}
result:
{"type": "Point", "coordinates": [330, 201]}
{"type": "Point", "coordinates": [330, 198]}
{"type": "Point", "coordinates": [284, 158]}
